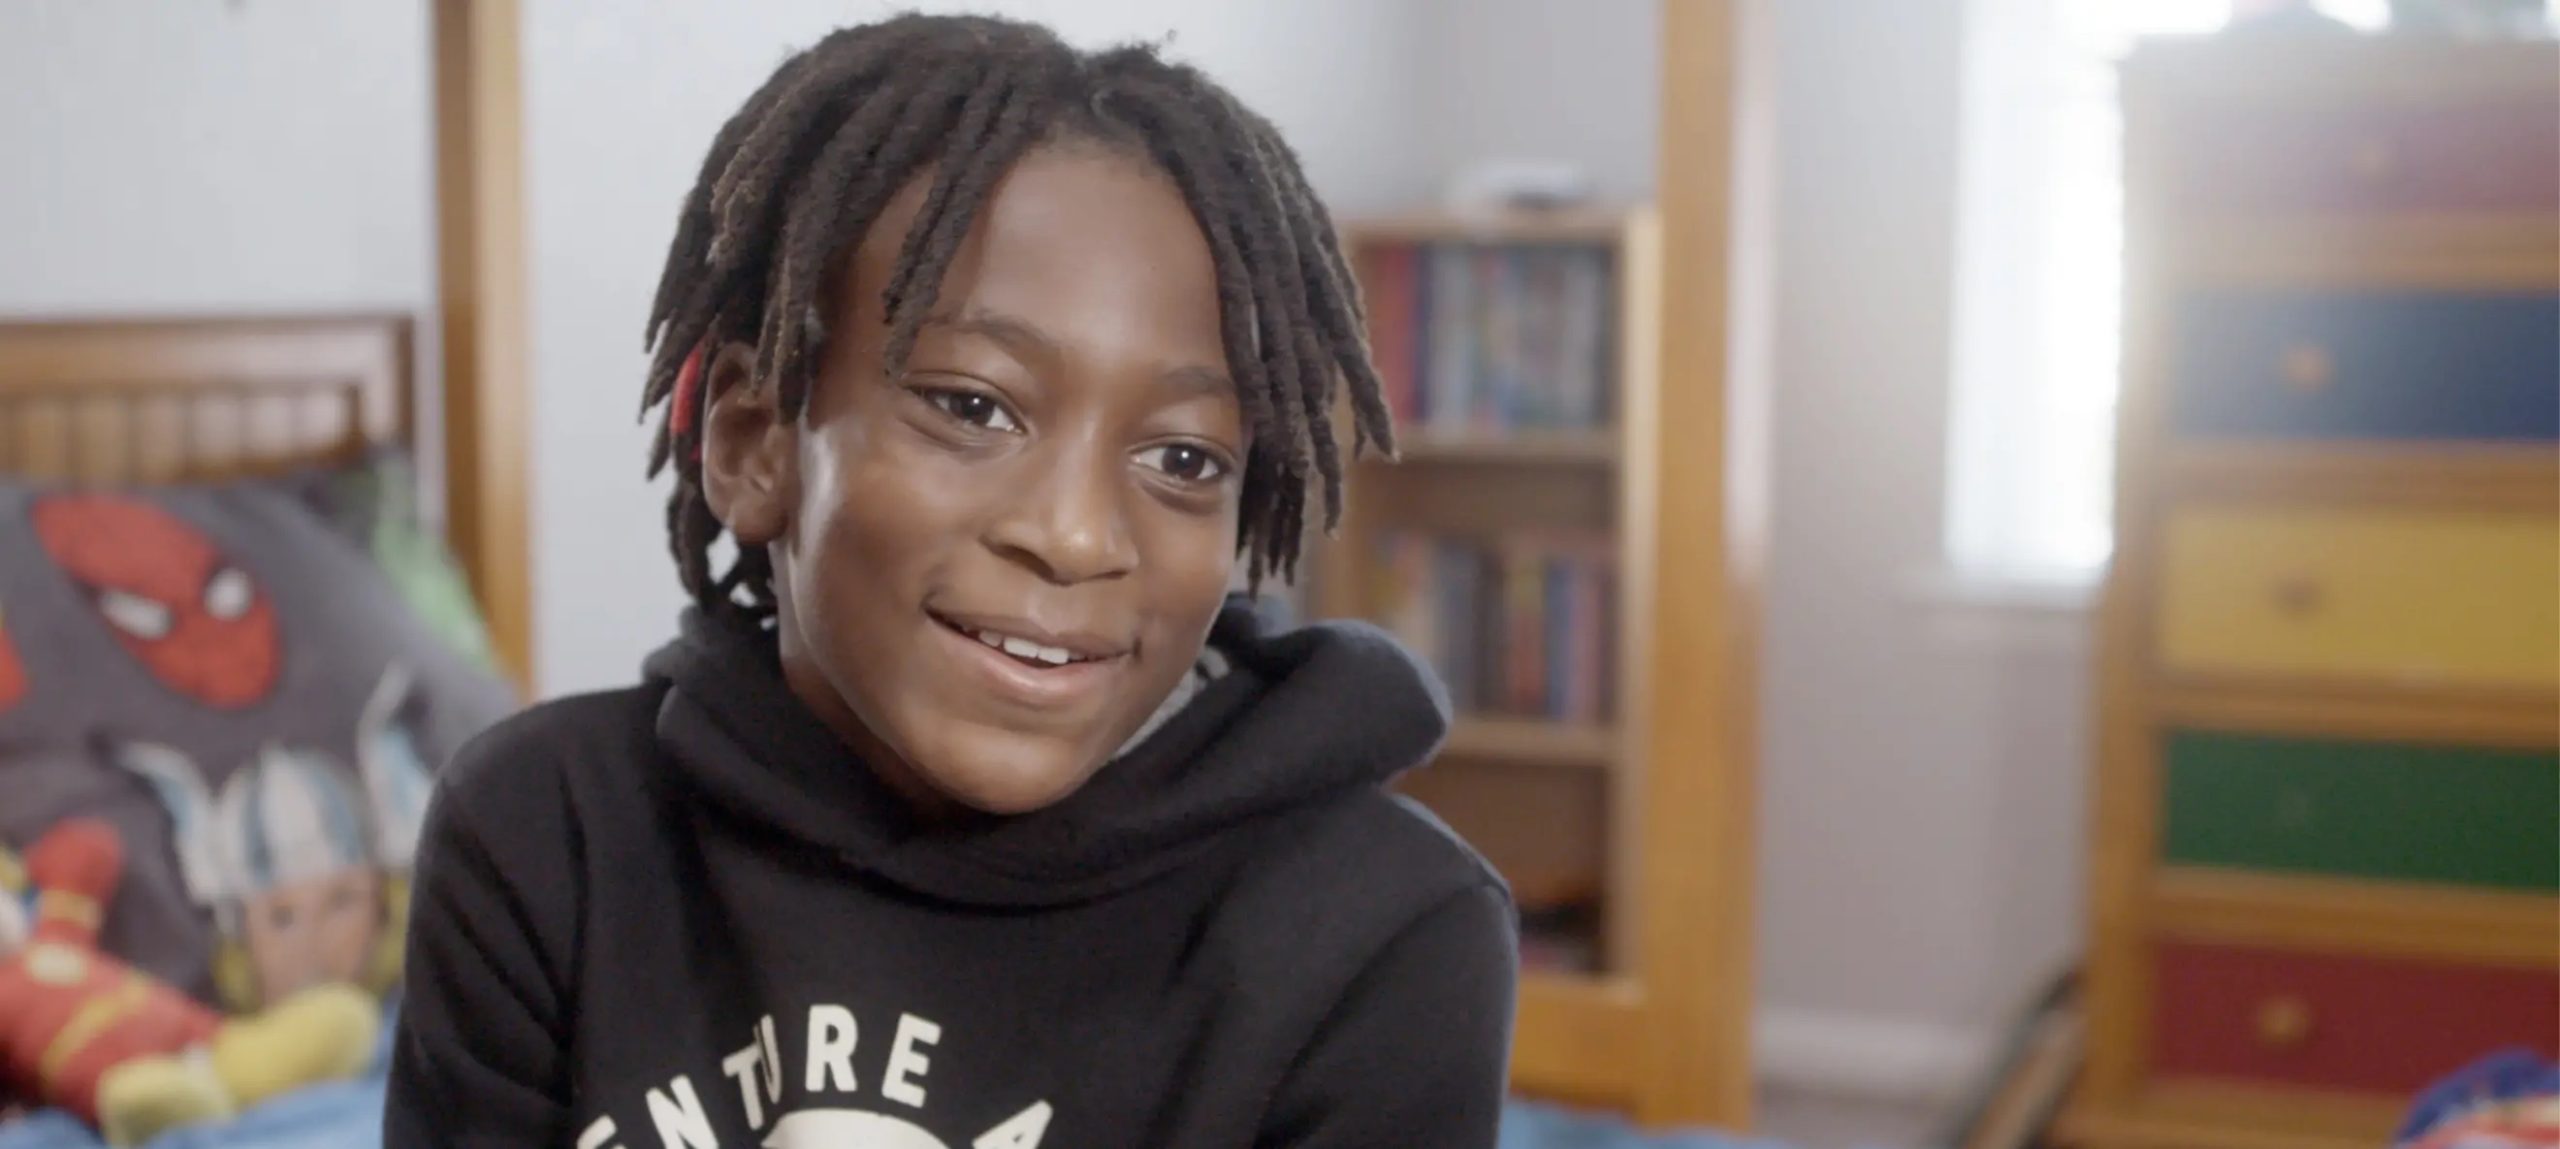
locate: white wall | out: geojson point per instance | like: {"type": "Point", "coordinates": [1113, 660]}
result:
{"type": "Point", "coordinates": [1920, 803]}
{"type": "Point", "coordinates": [621, 100]}
{"type": "Point", "coordinates": [213, 157]}
{"type": "Point", "coordinates": [1571, 80]}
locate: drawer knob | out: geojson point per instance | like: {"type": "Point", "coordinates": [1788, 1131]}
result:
{"type": "Point", "coordinates": [2298, 595]}
{"type": "Point", "coordinates": [2308, 370]}
{"type": "Point", "coordinates": [2284, 1022]}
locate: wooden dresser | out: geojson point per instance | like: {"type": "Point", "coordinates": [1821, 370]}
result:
{"type": "Point", "coordinates": [2327, 802]}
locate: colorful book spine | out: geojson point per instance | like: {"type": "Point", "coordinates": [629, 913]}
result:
{"type": "Point", "coordinates": [1558, 575]}
{"type": "Point", "coordinates": [1592, 665]}
{"type": "Point", "coordinates": [1462, 590]}
{"type": "Point", "coordinates": [1487, 338]}
{"type": "Point", "coordinates": [1542, 348]}
{"type": "Point", "coordinates": [1523, 626]}
{"type": "Point", "coordinates": [1391, 288]}
{"type": "Point", "coordinates": [1524, 629]}
{"type": "Point", "coordinates": [1582, 338]}
{"type": "Point", "coordinates": [1451, 382]}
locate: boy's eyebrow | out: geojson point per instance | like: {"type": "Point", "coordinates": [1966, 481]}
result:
{"type": "Point", "coordinates": [1022, 335]}
{"type": "Point", "coordinates": [1194, 382]}
{"type": "Point", "coordinates": [1013, 331]}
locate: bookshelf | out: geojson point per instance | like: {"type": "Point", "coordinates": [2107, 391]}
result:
{"type": "Point", "coordinates": [1612, 782]}
{"type": "Point", "coordinates": [1513, 544]}
{"type": "Point", "coordinates": [1513, 350]}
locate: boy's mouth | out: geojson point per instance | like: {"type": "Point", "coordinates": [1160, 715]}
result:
{"type": "Point", "coordinates": [1031, 645]}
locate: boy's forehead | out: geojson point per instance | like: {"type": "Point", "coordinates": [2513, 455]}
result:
{"type": "Point", "coordinates": [1080, 243]}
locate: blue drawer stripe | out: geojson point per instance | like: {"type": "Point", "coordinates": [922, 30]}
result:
{"type": "Point", "coordinates": [2390, 365]}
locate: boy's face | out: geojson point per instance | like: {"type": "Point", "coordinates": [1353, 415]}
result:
{"type": "Point", "coordinates": [1056, 477]}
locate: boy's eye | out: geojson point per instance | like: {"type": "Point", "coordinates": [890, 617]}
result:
{"type": "Point", "coordinates": [1186, 462]}
{"type": "Point", "coordinates": [975, 408]}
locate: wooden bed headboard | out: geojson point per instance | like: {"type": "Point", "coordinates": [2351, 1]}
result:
{"type": "Point", "coordinates": [118, 401]}
{"type": "Point", "coordinates": [187, 400]}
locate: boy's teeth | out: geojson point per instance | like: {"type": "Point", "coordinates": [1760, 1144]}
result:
{"type": "Point", "coordinates": [1024, 648]}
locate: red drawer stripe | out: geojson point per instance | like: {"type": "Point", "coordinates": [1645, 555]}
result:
{"type": "Point", "coordinates": [2330, 1021]}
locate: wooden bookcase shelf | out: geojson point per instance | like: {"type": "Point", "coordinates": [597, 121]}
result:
{"type": "Point", "coordinates": [1532, 742]}
{"type": "Point", "coordinates": [1572, 1033]}
{"type": "Point", "coordinates": [1622, 817]}
{"type": "Point", "coordinates": [1597, 447]}
{"type": "Point", "coordinates": [1575, 225]}
{"type": "Point", "coordinates": [1536, 472]}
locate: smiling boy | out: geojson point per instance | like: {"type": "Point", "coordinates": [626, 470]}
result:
{"type": "Point", "coordinates": [969, 808]}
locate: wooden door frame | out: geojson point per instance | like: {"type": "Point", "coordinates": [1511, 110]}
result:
{"type": "Point", "coordinates": [484, 389]}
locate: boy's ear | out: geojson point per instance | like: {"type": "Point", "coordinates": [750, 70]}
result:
{"type": "Point", "coordinates": [749, 452]}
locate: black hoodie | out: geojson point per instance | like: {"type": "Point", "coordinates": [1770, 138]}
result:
{"type": "Point", "coordinates": [682, 915]}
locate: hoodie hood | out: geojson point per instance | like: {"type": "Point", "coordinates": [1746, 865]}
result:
{"type": "Point", "coordinates": [1298, 717]}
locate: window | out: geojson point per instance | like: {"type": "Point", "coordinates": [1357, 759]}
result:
{"type": "Point", "coordinates": [2039, 245]}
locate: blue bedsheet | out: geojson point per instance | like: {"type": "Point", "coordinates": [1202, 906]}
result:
{"type": "Point", "coordinates": [1528, 1125]}
{"type": "Point", "coordinates": [339, 1115]}
{"type": "Point", "coordinates": [343, 1115]}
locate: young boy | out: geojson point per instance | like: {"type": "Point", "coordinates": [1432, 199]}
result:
{"type": "Point", "coordinates": [968, 809]}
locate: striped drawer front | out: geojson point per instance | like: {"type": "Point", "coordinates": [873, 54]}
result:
{"type": "Point", "coordinates": [2338, 1021]}
{"type": "Point", "coordinates": [2441, 814]}
{"type": "Point", "coordinates": [2398, 366]}
{"type": "Point", "coordinates": [2397, 597]}
{"type": "Point", "coordinates": [2495, 153]}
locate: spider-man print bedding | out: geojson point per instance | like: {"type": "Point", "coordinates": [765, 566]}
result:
{"type": "Point", "coordinates": [236, 679]}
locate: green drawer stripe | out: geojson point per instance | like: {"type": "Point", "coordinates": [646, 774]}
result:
{"type": "Point", "coordinates": [2446, 814]}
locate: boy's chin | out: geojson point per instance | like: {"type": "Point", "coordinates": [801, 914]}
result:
{"type": "Point", "coordinates": [1004, 773]}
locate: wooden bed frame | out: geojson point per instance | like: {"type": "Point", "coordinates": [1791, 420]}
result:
{"type": "Point", "coordinates": [165, 401]}
{"type": "Point", "coordinates": [155, 401]}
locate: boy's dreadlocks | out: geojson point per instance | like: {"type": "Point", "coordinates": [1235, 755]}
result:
{"type": "Point", "coordinates": [796, 177]}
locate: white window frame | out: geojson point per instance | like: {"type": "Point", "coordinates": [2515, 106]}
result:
{"type": "Point", "coordinates": [2038, 255]}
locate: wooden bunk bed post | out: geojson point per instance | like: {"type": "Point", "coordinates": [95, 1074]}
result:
{"type": "Point", "coordinates": [481, 295]}
{"type": "Point", "coordinates": [1701, 733]}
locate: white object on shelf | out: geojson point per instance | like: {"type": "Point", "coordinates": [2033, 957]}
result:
{"type": "Point", "coordinates": [1511, 184]}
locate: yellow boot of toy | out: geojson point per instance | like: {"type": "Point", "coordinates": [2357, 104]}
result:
{"type": "Point", "coordinates": [326, 1033]}
{"type": "Point", "coordinates": [144, 1098]}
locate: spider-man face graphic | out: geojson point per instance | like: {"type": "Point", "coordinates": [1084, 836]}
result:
{"type": "Point", "coordinates": [198, 623]}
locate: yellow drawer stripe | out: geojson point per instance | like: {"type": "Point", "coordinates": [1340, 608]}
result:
{"type": "Point", "coordinates": [2409, 597]}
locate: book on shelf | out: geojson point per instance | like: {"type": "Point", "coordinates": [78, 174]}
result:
{"type": "Point", "coordinates": [1471, 338]}
{"type": "Point", "coordinates": [1561, 938]}
{"type": "Point", "coordinates": [1523, 625]}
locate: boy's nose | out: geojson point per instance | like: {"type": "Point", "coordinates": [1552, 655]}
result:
{"type": "Point", "coordinates": [1072, 523]}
